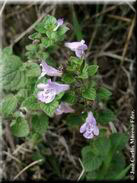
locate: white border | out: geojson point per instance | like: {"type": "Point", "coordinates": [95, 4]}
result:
{"type": "Point", "coordinates": [69, 1]}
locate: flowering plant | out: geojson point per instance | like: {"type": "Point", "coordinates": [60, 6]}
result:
{"type": "Point", "coordinates": [40, 88]}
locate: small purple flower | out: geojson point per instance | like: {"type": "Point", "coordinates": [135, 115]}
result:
{"type": "Point", "coordinates": [50, 90]}
{"type": "Point", "coordinates": [60, 22]}
{"type": "Point", "coordinates": [49, 70]}
{"type": "Point", "coordinates": [89, 128]}
{"type": "Point", "coordinates": [77, 47]}
{"type": "Point", "coordinates": [64, 108]}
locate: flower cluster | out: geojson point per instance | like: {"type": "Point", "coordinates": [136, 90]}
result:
{"type": "Point", "coordinates": [49, 90]}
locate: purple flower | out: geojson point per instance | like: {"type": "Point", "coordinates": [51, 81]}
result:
{"type": "Point", "coordinates": [77, 47]}
{"type": "Point", "coordinates": [64, 108]}
{"type": "Point", "coordinates": [49, 70]}
{"type": "Point", "coordinates": [89, 128]}
{"type": "Point", "coordinates": [50, 90]}
{"type": "Point", "coordinates": [60, 22]}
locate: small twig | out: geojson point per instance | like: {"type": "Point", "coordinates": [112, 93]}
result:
{"type": "Point", "coordinates": [128, 39]}
{"type": "Point", "coordinates": [83, 170]}
{"type": "Point", "coordinates": [112, 55]}
{"type": "Point", "coordinates": [27, 167]}
{"type": "Point", "coordinates": [2, 8]}
{"type": "Point", "coordinates": [12, 157]}
{"type": "Point", "coordinates": [128, 20]}
{"type": "Point", "coordinates": [9, 136]}
{"type": "Point", "coordinates": [105, 11]}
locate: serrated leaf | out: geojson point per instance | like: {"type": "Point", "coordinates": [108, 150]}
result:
{"type": "Point", "coordinates": [62, 30]}
{"type": "Point", "coordinates": [74, 64]}
{"type": "Point", "coordinates": [106, 116]}
{"type": "Point", "coordinates": [20, 127]}
{"type": "Point", "coordinates": [22, 93]}
{"type": "Point", "coordinates": [47, 43]}
{"type": "Point", "coordinates": [117, 165]}
{"type": "Point", "coordinates": [118, 141]}
{"type": "Point", "coordinates": [11, 85]}
{"type": "Point", "coordinates": [68, 78]}
{"type": "Point", "coordinates": [8, 105]}
{"type": "Point", "coordinates": [11, 76]}
{"type": "Point", "coordinates": [33, 70]}
{"type": "Point", "coordinates": [35, 36]}
{"type": "Point", "coordinates": [31, 103]}
{"type": "Point", "coordinates": [89, 93]}
{"type": "Point", "coordinates": [92, 69]}
{"type": "Point", "coordinates": [23, 81]}
{"type": "Point", "coordinates": [84, 72]}
{"type": "Point", "coordinates": [103, 93]}
{"type": "Point", "coordinates": [97, 146]}
{"type": "Point", "coordinates": [49, 108]}
{"type": "Point", "coordinates": [90, 161]}
{"type": "Point", "coordinates": [70, 97]}
{"type": "Point", "coordinates": [40, 123]}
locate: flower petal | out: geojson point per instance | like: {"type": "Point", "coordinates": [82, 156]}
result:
{"type": "Point", "coordinates": [88, 135]}
{"type": "Point", "coordinates": [83, 128]}
{"type": "Point", "coordinates": [64, 108]}
{"type": "Point", "coordinates": [90, 118]}
{"type": "Point", "coordinates": [59, 87]}
{"type": "Point", "coordinates": [45, 97]}
{"type": "Point", "coordinates": [96, 131]}
{"type": "Point", "coordinates": [49, 70]}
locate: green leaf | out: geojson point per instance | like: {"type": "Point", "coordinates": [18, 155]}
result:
{"type": "Point", "coordinates": [74, 120]}
{"type": "Point", "coordinates": [97, 146]}
{"type": "Point", "coordinates": [20, 127]}
{"type": "Point", "coordinates": [89, 93]}
{"type": "Point", "coordinates": [90, 161]}
{"type": "Point", "coordinates": [103, 93]}
{"type": "Point", "coordinates": [84, 72]}
{"type": "Point", "coordinates": [74, 64]}
{"type": "Point", "coordinates": [22, 93]}
{"type": "Point", "coordinates": [33, 70]}
{"type": "Point", "coordinates": [92, 69]}
{"type": "Point", "coordinates": [105, 116]}
{"type": "Point", "coordinates": [12, 78]}
{"type": "Point", "coordinates": [47, 42]}
{"type": "Point", "coordinates": [69, 97]}
{"type": "Point", "coordinates": [49, 108]}
{"type": "Point", "coordinates": [117, 165]}
{"type": "Point", "coordinates": [47, 24]}
{"type": "Point", "coordinates": [31, 103]}
{"type": "Point", "coordinates": [68, 78]}
{"type": "Point", "coordinates": [118, 141]}
{"type": "Point", "coordinates": [62, 30]}
{"type": "Point", "coordinates": [40, 123]}
{"type": "Point", "coordinates": [40, 28]}
{"type": "Point", "coordinates": [38, 156]}
{"type": "Point", "coordinates": [8, 105]}
{"type": "Point", "coordinates": [76, 25]}
{"type": "Point", "coordinates": [35, 36]}
{"type": "Point", "coordinates": [123, 173]}
{"type": "Point", "coordinates": [91, 175]}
